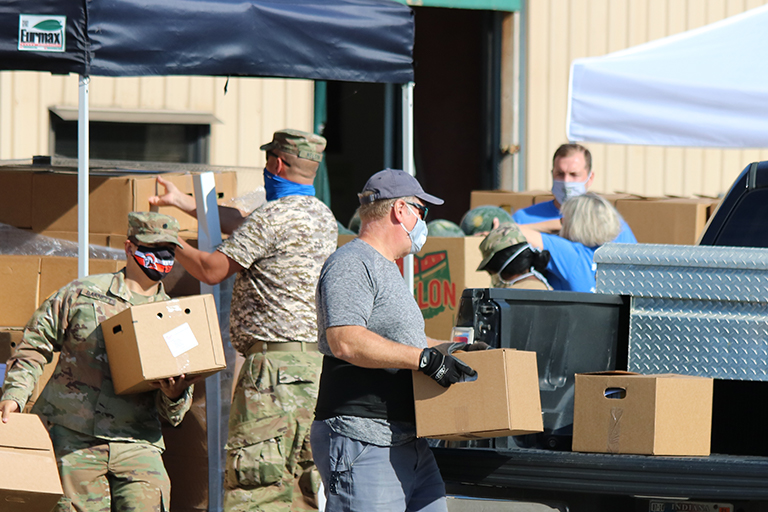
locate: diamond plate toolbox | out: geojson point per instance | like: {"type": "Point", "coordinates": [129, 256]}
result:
{"type": "Point", "coordinates": [695, 310]}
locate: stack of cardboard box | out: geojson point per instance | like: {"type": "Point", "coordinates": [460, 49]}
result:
{"type": "Point", "coordinates": [42, 199]}
{"type": "Point", "coordinates": [26, 282]}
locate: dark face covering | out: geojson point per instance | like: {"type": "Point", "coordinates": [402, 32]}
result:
{"type": "Point", "coordinates": [155, 262]}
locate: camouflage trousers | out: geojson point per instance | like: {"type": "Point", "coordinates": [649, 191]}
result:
{"type": "Point", "coordinates": [269, 463]}
{"type": "Point", "coordinates": [100, 476]}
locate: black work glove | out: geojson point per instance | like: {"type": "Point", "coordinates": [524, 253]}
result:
{"type": "Point", "coordinates": [444, 368]}
{"type": "Point", "coordinates": [451, 347]}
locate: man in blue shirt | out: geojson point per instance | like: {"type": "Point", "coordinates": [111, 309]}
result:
{"type": "Point", "coordinates": [571, 176]}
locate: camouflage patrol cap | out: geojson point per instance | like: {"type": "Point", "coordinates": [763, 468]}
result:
{"type": "Point", "coordinates": [153, 228]}
{"type": "Point", "coordinates": [500, 238]}
{"type": "Point", "coordinates": [295, 142]}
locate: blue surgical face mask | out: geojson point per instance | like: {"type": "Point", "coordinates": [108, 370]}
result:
{"type": "Point", "coordinates": [278, 187]}
{"type": "Point", "coordinates": [564, 190]}
{"type": "Point", "coordinates": [418, 234]}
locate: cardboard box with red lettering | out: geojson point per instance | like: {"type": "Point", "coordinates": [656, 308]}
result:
{"type": "Point", "coordinates": [503, 400]}
{"type": "Point", "coordinates": [441, 271]}
{"type": "Point", "coordinates": [29, 476]}
{"type": "Point", "coordinates": [157, 340]}
{"type": "Point", "coordinates": [443, 268]}
{"type": "Point", "coordinates": [622, 412]}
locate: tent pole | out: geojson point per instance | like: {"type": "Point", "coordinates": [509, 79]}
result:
{"type": "Point", "coordinates": [208, 238]}
{"type": "Point", "coordinates": [408, 163]}
{"type": "Point", "coordinates": [83, 166]}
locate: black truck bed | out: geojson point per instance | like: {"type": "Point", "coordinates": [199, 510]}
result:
{"type": "Point", "coordinates": [717, 477]}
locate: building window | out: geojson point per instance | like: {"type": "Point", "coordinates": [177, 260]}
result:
{"type": "Point", "coordinates": [176, 142]}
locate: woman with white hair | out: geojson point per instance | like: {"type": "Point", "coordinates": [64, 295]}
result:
{"type": "Point", "coordinates": [588, 222]}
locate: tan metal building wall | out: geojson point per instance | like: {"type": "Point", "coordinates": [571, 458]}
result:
{"type": "Point", "coordinates": [562, 30]}
{"type": "Point", "coordinates": [250, 111]}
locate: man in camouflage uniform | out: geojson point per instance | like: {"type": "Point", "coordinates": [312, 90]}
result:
{"type": "Point", "coordinates": [277, 251]}
{"type": "Point", "coordinates": [108, 447]}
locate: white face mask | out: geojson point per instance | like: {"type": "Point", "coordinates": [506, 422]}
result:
{"type": "Point", "coordinates": [564, 190]}
{"type": "Point", "coordinates": [497, 281]}
{"type": "Point", "coordinates": [418, 234]}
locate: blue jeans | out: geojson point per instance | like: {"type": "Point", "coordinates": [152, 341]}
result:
{"type": "Point", "coordinates": [362, 477]}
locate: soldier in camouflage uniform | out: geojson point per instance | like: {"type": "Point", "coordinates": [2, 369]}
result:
{"type": "Point", "coordinates": [277, 251]}
{"type": "Point", "coordinates": [108, 447]}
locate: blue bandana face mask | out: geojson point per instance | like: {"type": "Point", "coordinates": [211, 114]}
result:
{"type": "Point", "coordinates": [278, 187]}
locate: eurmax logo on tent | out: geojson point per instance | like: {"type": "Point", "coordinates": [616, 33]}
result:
{"type": "Point", "coordinates": [42, 33]}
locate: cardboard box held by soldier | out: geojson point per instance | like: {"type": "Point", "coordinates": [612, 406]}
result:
{"type": "Point", "coordinates": [29, 478]}
{"type": "Point", "coordinates": [154, 341]}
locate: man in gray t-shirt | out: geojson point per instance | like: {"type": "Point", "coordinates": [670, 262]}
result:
{"type": "Point", "coordinates": [371, 333]}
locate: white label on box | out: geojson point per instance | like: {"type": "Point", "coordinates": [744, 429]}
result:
{"type": "Point", "coordinates": [180, 339]}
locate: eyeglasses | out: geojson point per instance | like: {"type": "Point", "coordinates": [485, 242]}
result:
{"type": "Point", "coordinates": [423, 210]}
{"type": "Point", "coordinates": [274, 155]}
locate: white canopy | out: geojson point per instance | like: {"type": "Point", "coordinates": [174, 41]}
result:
{"type": "Point", "coordinates": [705, 87]}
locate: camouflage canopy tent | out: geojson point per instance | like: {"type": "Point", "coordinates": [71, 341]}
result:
{"type": "Point", "coordinates": [343, 40]}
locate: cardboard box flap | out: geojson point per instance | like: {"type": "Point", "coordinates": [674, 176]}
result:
{"type": "Point", "coordinates": [24, 431]}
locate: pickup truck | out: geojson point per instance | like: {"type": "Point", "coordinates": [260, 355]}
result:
{"type": "Point", "coordinates": [574, 333]}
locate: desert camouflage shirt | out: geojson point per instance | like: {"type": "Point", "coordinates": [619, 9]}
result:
{"type": "Point", "coordinates": [282, 246]}
{"type": "Point", "coordinates": [80, 395]}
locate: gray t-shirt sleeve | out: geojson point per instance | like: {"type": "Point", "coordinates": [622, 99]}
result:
{"type": "Point", "coordinates": [345, 292]}
{"type": "Point", "coordinates": [358, 286]}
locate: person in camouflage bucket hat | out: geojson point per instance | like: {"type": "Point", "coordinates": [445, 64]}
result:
{"type": "Point", "coordinates": [108, 446]}
{"type": "Point", "coordinates": [511, 261]}
{"type": "Point", "coordinates": [277, 252]}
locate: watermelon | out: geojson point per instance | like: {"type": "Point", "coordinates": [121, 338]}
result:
{"type": "Point", "coordinates": [354, 223]}
{"type": "Point", "coordinates": [481, 219]}
{"type": "Point", "coordinates": [343, 230]}
{"type": "Point", "coordinates": [442, 227]}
